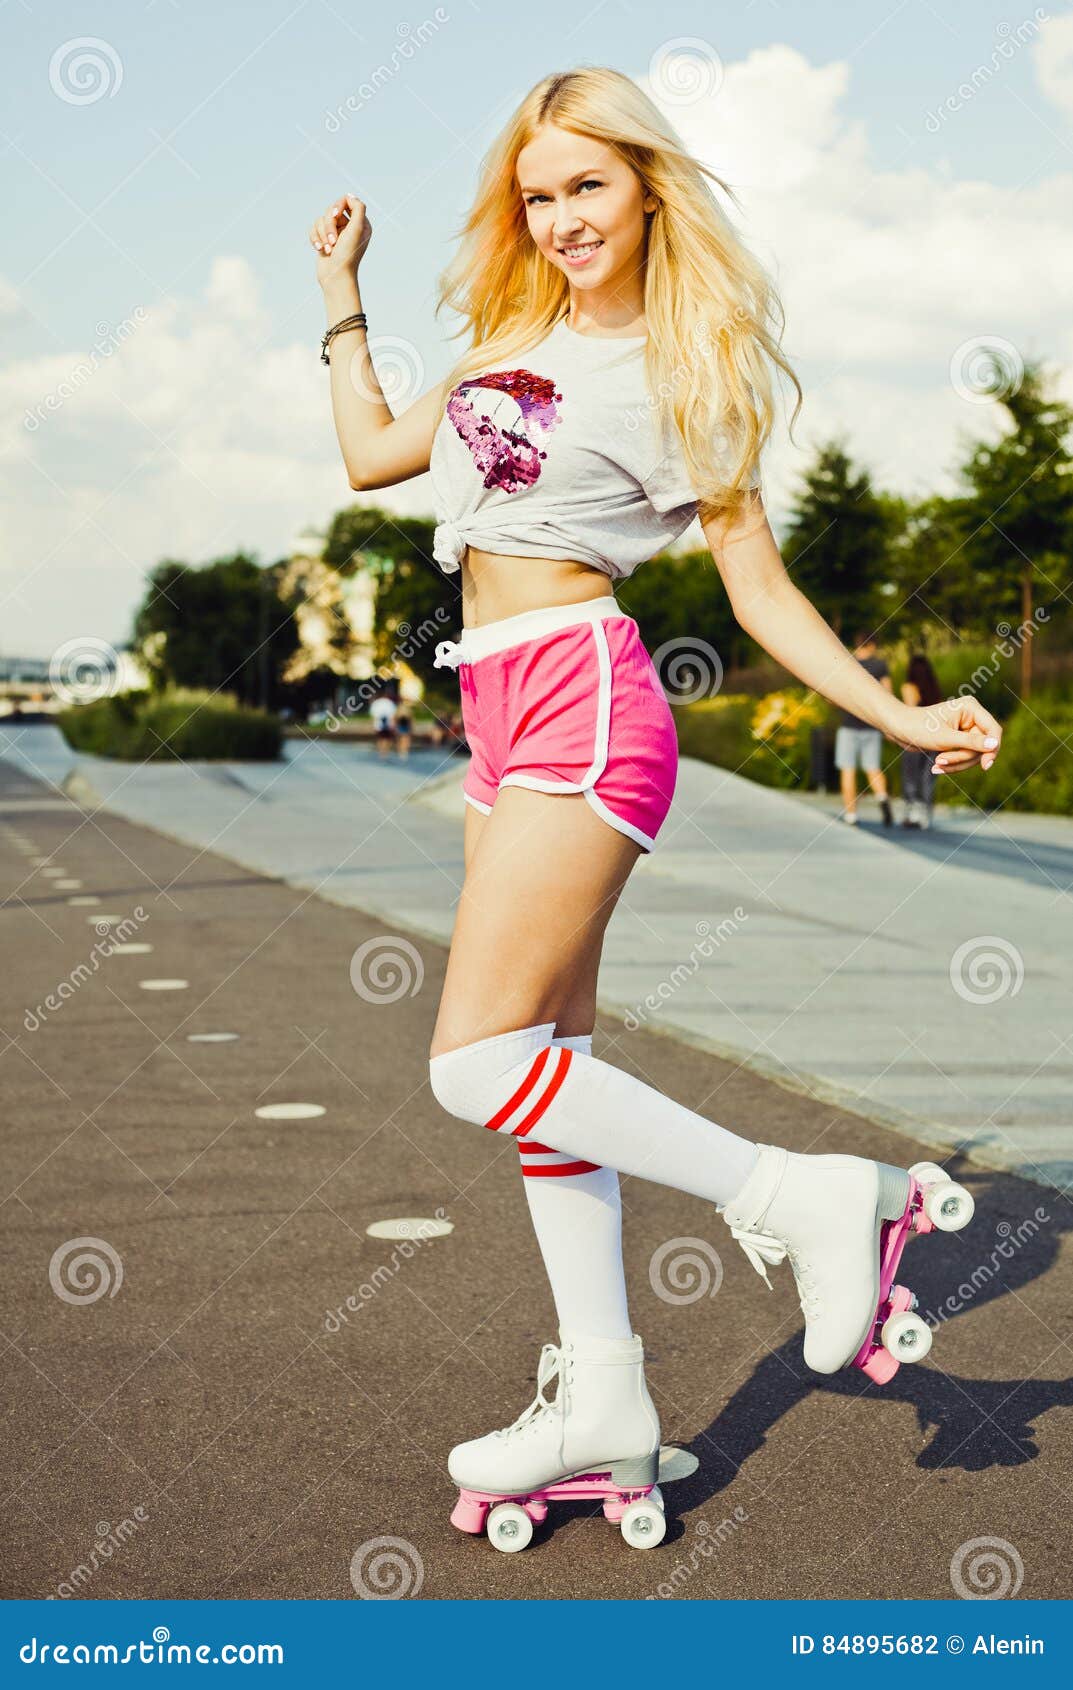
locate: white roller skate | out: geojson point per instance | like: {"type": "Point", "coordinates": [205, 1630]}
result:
{"type": "Point", "coordinates": [827, 1215]}
{"type": "Point", "coordinates": [597, 1438]}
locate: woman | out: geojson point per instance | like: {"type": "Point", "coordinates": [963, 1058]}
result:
{"type": "Point", "coordinates": [617, 386]}
{"type": "Point", "coordinates": [920, 688]}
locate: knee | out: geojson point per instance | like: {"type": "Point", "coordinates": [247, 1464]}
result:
{"type": "Point", "coordinates": [456, 1084]}
{"type": "Point", "coordinates": [473, 1081]}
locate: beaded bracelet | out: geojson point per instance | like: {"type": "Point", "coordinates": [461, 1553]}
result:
{"type": "Point", "coordinates": [358, 321]}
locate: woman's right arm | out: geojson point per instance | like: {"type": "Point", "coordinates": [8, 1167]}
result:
{"type": "Point", "coordinates": [378, 448]}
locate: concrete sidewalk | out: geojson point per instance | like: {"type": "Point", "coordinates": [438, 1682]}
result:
{"type": "Point", "coordinates": [243, 1392]}
{"type": "Point", "coordinates": [923, 981]}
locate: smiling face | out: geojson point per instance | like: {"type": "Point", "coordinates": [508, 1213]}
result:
{"type": "Point", "coordinates": [586, 213]}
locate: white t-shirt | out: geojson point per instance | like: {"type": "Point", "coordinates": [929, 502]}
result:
{"type": "Point", "coordinates": [382, 711]}
{"type": "Point", "coordinates": [557, 453]}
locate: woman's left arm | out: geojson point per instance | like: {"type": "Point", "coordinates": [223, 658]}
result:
{"type": "Point", "coordinates": [775, 613]}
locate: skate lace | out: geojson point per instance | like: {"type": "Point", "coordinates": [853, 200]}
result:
{"type": "Point", "coordinates": [763, 1249]}
{"type": "Point", "coordinates": [548, 1368]}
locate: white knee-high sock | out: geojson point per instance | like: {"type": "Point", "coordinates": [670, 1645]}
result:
{"type": "Point", "coordinates": [576, 1209]}
{"type": "Point", "coordinates": [520, 1083]}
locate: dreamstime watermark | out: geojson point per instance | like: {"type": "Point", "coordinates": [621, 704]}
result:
{"type": "Point", "coordinates": [411, 40]}
{"type": "Point", "coordinates": [684, 70]}
{"type": "Point", "coordinates": [707, 1541]}
{"type": "Point", "coordinates": [84, 70]}
{"type": "Point", "coordinates": [683, 1270]}
{"type": "Point", "coordinates": [688, 669]}
{"type": "Point", "coordinates": [1012, 39]}
{"type": "Point", "coordinates": [83, 669]}
{"type": "Point", "coordinates": [987, 968]}
{"type": "Point", "coordinates": [986, 368]}
{"type": "Point", "coordinates": [109, 1539]}
{"type": "Point", "coordinates": [106, 345]}
{"type": "Point", "coordinates": [386, 968]}
{"type": "Point", "coordinates": [409, 641]}
{"type": "Point", "coordinates": [397, 366]}
{"type": "Point", "coordinates": [111, 935]}
{"type": "Point", "coordinates": [1010, 1240]}
{"type": "Point", "coordinates": [404, 1251]}
{"type": "Point", "coordinates": [708, 943]}
{"type": "Point", "coordinates": [386, 1569]}
{"type": "Point", "coordinates": [83, 1270]}
{"type": "Point", "coordinates": [986, 1569]}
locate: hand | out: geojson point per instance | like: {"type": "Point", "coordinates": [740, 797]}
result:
{"type": "Point", "coordinates": [340, 236]}
{"type": "Point", "coordinates": [959, 730]}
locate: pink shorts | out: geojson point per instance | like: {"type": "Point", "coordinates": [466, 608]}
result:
{"type": "Point", "coordinates": [566, 699]}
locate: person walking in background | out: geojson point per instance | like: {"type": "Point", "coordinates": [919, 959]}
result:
{"type": "Point", "coordinates": [857, 742]}
{"type": "Point", "coordinates": [382, 711]}
{"type": "Point", "coordinates": [403, 728]}
{"type": "Point", "coordinates": [921, 686]}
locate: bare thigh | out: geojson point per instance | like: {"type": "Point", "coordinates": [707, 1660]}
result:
{"type": "Point", "coordinates": [543, 875]}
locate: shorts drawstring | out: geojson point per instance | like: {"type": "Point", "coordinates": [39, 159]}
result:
{"type": "Point", "coordinates": [448, 654]}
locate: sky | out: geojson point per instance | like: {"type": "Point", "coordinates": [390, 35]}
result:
{"type": "Point", "coordinates": [905, 169]}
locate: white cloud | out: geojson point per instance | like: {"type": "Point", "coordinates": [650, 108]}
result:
{"type": "Point", "coordinates": [884, 273]}
{"type": "Point", "coordinates": [210, 428]}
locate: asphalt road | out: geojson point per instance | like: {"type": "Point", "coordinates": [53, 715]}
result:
{"type": "Point", "coordinates": [187, 1418]}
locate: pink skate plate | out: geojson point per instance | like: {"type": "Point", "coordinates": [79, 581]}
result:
{"type": "Point", "coordinates": [898, 1335]}
{"type": "Point", "coordinates": [508, 1519]}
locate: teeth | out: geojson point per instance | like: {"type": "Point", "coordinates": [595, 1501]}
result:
{"type": "Point", "coordinates": [573, 251]}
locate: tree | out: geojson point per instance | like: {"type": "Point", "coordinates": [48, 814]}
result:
{"type": "Point", "coordinates": [415, 604]}
{"type": "Point", "coordinates": [222, 626]}
{"type": "Point", "coordinates": [838, 543]}
{"type": "Point", "coordinates": [1015, 526]}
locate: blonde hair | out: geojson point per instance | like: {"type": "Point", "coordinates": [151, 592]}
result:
{"type": "Point", "coordinates": [713, 317]}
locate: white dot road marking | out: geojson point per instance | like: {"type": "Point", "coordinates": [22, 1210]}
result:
{"type": "Point", "coordinates": [289, 1111]}
{"type": "Point", "coordinates": [133, 949]}
{"type": "Point", "coordinates": [210, 1038]}
{"type": "Point", "coordinates": [68, 885]}
{"type": "Point", "coordinates": [104, 920]}
{"type": "Point", "coordinates": [163, 985]}
{"type": "Point", "coordinates": [80, 903]}
{"type": "Point", "coordinates": [410, 1227]}
{"type": "Point", "coordinates": [53, 873]}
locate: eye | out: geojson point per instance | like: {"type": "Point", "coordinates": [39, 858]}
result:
{"type": "Point", "coordinates": [589, 182]}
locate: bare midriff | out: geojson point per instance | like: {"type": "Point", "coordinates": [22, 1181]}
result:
{"type": "Point", "coordinates": [495, 586]}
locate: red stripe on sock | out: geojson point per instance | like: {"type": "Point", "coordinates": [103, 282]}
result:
{"type": "Point", "coordinates": [522, 1092]}
{"type": "Point", "coordinates": [531, 1149]}
{"type": "Point", "coordinates": [565, 1058]}
{"type": "Point", "coordinates": [561, 1168]}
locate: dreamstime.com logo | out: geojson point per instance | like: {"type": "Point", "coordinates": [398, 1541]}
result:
{"type": "Point", "coordinates": [1010, 1240]}
{"type": "Point", "coordinates": [83, 1270]}
{"type": "Point", "coordinates": [708, 942]}
{"type": "Point", "coordinates": [386, 968]}
{"type": "Point", "coordinates": [685, 1269]}
{"type": "Point", "coordinates": [987, 968]}
{"type": "Point", "coordinates": [110, 1539]}
{"type": "Point", "coordinates": [404, 1251]}
{"type": "Point", "coordinates": [111, 934]}
{"type": "Point", "coordinates": [386, 1569]}
{"type": "Point", "coordinates": [986, 1569]}
{"type": "Point", "coordinates": [707, 1541]}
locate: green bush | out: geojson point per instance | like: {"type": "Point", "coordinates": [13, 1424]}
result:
{"type": "Point", "coordinates": [140, 727]}
{"type": "Point", "coordinates": [1034, 770]}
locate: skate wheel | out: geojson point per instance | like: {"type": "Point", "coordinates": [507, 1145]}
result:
{"type": "Point", "coordinates": [643, 1525]}
{"type": "Point", "coordinates": [509, 1527]}
{"type": "Point", "coordinates": [906, 1337]}
{"type": "Point", "coordinates": [948, 1207]}
{"type": "Point", "coordinates": [928, 1173]}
